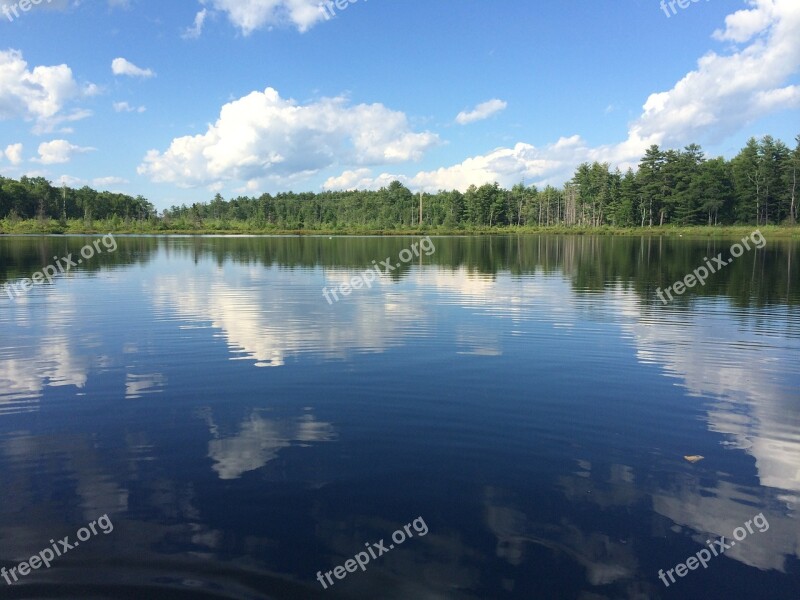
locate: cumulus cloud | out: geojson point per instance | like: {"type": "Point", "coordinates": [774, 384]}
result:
{"type": "Point", "coordinates": [122, 66]}
{"type": "Point", "coordinates": [58, 152]}
{"type": "Point", "coordinates": [507, 166]}
{"type": "Point", "coordinates": [360, 179]}
{"type": "Point", "coordinates": [126, 107]}
{"type": "Point", "coordinates": [724, 93]}
{"type": "Point", "coordinates": [265, 136]}
{"type": "Point", "coordinates": [13, 153]}
{"type": "Point", "coordinates": [56, 123]}
{"type": "Point", "coordinates": [251, 15]}
{"type": "Point", "coordinates": [40, 94]}
{"type": "Point", "coordinates": [481, 112]}
{"type": "Point", "coordinates": [196, 29]}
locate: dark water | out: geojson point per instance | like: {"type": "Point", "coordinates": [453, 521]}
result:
{"type": "Point", "coordinates": [527, 402]}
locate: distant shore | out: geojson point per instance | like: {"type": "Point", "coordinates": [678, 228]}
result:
{"type": "Point", "coordinates": [50, 227]}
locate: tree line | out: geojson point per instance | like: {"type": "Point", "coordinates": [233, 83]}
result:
{"type": "Point", "coordinates": [37, 198]}
{"type": "Point", "coordinates": [668, 187]}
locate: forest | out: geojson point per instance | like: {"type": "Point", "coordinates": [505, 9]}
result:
{"type": "Point", "coordinates": [669, 187]}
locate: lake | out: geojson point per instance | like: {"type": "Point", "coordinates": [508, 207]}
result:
{"type": "Point", "coordinates": [488, 417]}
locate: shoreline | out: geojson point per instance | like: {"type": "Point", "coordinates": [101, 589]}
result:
{"type": "Point", "coordinates": [53, 228]}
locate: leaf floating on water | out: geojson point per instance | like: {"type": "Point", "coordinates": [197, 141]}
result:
{"type": "Point", "coordinates": [694, 459]}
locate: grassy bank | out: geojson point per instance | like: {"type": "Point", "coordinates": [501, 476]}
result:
{"type": "Point", "coordinates": [48, 226]}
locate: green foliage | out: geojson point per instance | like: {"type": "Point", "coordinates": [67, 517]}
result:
{"type": "Point", "coordinates": [37, 198]}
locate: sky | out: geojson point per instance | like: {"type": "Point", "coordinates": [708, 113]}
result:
{"type": "Point", "coordinates": [183, 99]}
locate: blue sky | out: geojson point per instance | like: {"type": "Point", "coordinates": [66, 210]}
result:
{"type": "Point", "coordinates": [178, 100]}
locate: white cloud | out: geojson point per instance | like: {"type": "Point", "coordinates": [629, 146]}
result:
{"type": "Point", "coordinates": [40, 94]}
{"type": "Point", "coordinates": [265, 136]}
{"type": "Point", "coordinates": [122, 66]}
{"type": "Point", "coordinates": [55, 123]}
{"type": "Point", "coordinates": [715, 100]}
{"type": "Point", "coordinates": [481, 112]}
{"type": "Point", "coordinates": [125, 107]}
{"type": "Point", "coordinates": [105, 182]}
{"type": "Point", "coordinates": [196, 29]}
{"type": "Point", "coordinates": [507, 166]}
{"type": "Point", "coordinates": [746, 23]}
{"type": "Point", "coordinates": [726, 92]}
{"type": "Point", "coordinates": [359, 179]}
{"type": "Point", "coordinates": [251, 15]}
{"type": "Point", "coordinates": [14, 153]}
{"type": "Point", "coordinates": [58, 152]}
{"type": "Point", "coordinates": [71, 181]}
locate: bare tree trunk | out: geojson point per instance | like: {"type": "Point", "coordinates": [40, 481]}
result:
{"type": "Point", "coordinates": [644, 212]}
{"type": "Point", "coordinates": [757, 181]}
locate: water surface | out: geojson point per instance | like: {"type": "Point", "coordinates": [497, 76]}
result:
{"type": "Point", "coordinates": [530, 398]}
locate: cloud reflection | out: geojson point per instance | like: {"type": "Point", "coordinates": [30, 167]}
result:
{"type": "Point", "coordinates": [259, 440]}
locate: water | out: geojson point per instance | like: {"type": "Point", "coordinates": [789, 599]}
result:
{"type": "Point", "coordinates": [529, 400]}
